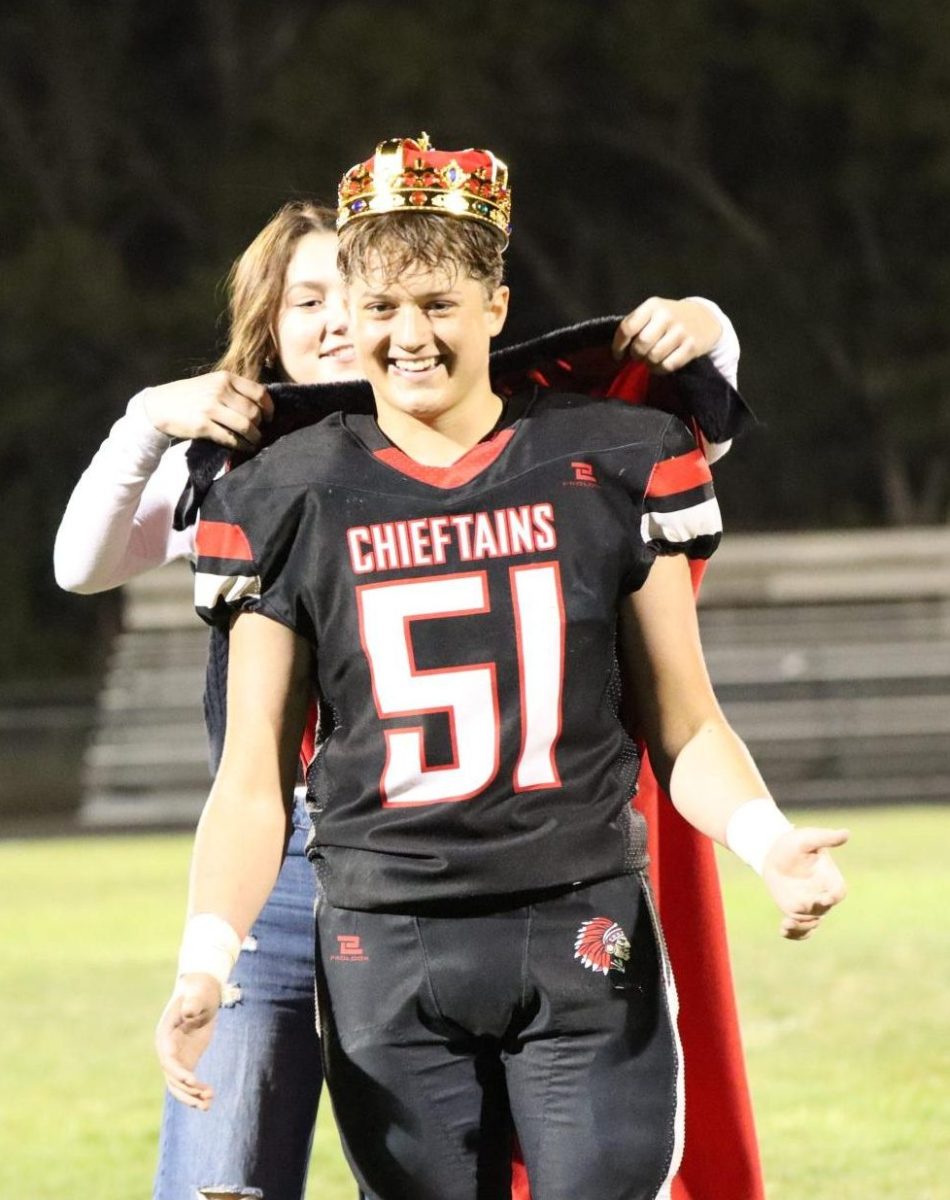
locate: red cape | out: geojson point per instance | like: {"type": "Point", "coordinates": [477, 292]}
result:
{"type": "Point", "coordinates": [721, 1156]}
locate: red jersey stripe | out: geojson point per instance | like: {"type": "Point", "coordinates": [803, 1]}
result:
{"type": "Point", "coordinates": [218, 539]}
{"type": "Point", "coordinates": [458, 473]}
{"type": "Point", "coordinates": [679, 474]}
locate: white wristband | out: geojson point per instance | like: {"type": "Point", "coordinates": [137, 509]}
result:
{"type": "Point", "coordinates": [752, 829]}
{"type": "Point", "coordinates": [210, 945]}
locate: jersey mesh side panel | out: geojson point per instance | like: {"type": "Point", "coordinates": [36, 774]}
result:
{"type": "Point", "coordinates": [216, 694]}
{"type": "Point", "coordinates": [318, 788]}
{"type": "Point", "coordinates": [627, 767]}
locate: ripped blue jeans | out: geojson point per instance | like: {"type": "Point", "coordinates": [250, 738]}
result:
{"type": "Point", "coordinates": [264, 1060]}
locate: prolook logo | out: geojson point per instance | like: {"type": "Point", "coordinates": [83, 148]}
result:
{"type": "Point", "coordinates": [349, 949]}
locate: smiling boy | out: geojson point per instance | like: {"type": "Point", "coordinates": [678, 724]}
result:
{"type": "Point", "coordinates": [450, 578]}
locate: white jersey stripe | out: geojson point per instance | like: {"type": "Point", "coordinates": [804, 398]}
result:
{"type": "Point", "coordinates": [683, 525]}
{"type": "Point", "coordinates": [673, 1008]}
{"type": "Point", "coordinates": [210, 588]}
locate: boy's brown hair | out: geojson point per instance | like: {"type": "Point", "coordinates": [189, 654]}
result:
{"type": "Point", "coordinates": [399, 241]}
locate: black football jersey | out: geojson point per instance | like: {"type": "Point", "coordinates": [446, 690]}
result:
{"type": "Point", "coordinates": [464, 626]}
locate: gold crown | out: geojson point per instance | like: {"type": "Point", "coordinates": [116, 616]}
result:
{"type": "Point", "coordinates": [408, 175]}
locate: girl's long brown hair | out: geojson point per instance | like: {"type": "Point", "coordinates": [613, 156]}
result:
{"type": "Point", "coordinates": [255, 285]}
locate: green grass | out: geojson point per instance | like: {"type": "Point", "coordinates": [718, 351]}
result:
{"type": "Point", "coordinates": [846, 1034]}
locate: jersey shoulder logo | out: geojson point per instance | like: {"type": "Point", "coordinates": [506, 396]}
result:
{"type": "Point", "coordinates": [583, 475]}
{"type": "Point", "coordinates": [602, 945]}
{"type": "Point", "coordinates": [584, 472]}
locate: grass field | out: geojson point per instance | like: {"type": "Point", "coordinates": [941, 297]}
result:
{"type": "Point", "coordinates": [847, 1035]}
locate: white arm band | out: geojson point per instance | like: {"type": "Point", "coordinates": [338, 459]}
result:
{"type": "Point", "coordinates": [752, 830]}
{"type": "Point", "coordinates": [209, 945]}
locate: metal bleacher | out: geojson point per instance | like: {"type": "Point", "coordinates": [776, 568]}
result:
{"type": "Point", "coordinates": [830, 653]}
{"type": "Point", "coordinates": [148, 762]}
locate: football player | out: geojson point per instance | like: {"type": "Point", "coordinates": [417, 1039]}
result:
{"type": "Point", "coordinates": [449, 576]}
{"type": "Point", "coordinates": [288, 331]}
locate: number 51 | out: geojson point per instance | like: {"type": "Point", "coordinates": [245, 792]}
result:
{"type": "Point", "coordinates": [467, 694]}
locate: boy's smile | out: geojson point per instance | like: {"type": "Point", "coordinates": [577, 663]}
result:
{"type": "Point", "coordinates": [423, 340]}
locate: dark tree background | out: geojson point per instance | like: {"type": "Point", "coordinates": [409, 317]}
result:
{"type": "Point", "coordinates": [790, 160]}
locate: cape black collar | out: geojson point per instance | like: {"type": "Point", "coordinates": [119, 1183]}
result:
{"type": "Point", "coordinates": [576, 358]}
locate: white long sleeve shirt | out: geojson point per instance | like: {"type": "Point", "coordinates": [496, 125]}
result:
{"type": "Point", "coordinates": [118, 522]}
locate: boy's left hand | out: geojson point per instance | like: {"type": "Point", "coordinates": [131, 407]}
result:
{"type": "Point", "coordinates": [183, 1034]}
{"type": "Point", "coordinates": [666, 334]}
{"type": "Point", "coordinates": [803, 879]}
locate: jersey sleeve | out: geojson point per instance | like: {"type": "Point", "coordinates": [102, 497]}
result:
{"type": "Point", "coordinates": [245, 543]}
{"type": "Point", "coordinates": [680, 511]}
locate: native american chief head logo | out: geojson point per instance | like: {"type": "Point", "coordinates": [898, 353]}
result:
{"type": "Point", "coordinates": [602, 945]}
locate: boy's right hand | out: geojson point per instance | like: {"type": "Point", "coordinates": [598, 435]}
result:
{"type": "Point", "coordinates": [221, 406]}
{"type": "Point", "coordinates": [803, 879]}
{"type": "Point", "coordinates": [183, 1034]}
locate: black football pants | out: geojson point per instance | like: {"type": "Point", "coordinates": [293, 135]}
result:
{"type": "Point", "coordinates": [440, 1031]}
